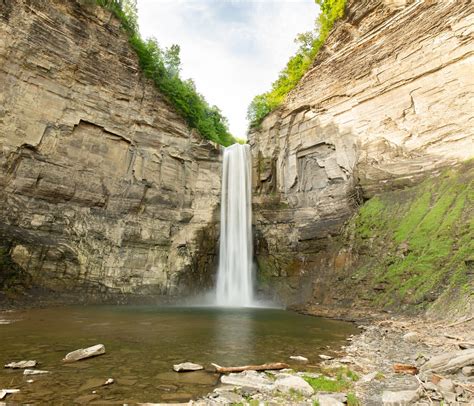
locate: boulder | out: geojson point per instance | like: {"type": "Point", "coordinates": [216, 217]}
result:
{"type": "Point", "coordinates": [449, 363]}
{"type": "Point", "coordinates": [21, 364]}
{"type": "Point", "coordinates": [187, 367]}
{"type": "Point", "coordinates": [250, 379]}
{"type": "Point", "coordinates": [290, 383]}
{"type": "Point", "coordinates": [84, 353]}
{"type": "Point", "coordinates": [329, 400]}
{"type": "Point", "coordinates": [400, 398]}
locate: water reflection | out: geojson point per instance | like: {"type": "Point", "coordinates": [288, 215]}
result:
{"type": "Point", "coordinates": [234, 335]}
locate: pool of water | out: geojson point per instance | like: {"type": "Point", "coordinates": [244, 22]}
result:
{"type": "Point", "coordinates": [142, 343]}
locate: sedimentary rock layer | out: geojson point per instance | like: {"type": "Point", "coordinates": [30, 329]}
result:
{"type": "Point", "coordinates": [103, 186]}
{"type": "Point", "coordinates": [387, 102]}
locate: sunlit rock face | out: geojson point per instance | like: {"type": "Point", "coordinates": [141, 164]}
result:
{"type": "Point", "coordinates": [103, 187]}
{"type": "Point", "coordinates": [385, 104]}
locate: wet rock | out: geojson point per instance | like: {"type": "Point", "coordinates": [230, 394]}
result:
{"type": "Point", "coordinates": [400, 398]}
{"type": "Point", "coordinates": [85, 399]}
{"type": "Point", "coordinates": [5, 392]}
{"type": "Point", "coordinates": [21, 364]}
{"type": "Point", "coordinates": [251, 379]}
{"type": "Point", "coordinates": [449, 363]}
{"type": "Point", "coordinates": [92, 383]}
{"type": "Point", "coordinates": [290, 383]}
{"type": "Point", "coordinates": [84, 353]}
{"type": "Point", "coordinates": [325, 357]}
{"type": "Point", "coordinates": [187, 367]}
{"type": "Point", "coordinates": [34, 372]}
{"type": "Point", "coordinates": [299, 358]}
{"type": "Point", "coordinates": [195, 378]}
{"type": "Point", "coordinates": [109, 381]}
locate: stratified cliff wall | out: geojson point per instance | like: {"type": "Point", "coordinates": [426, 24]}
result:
{"type": "Point", "coordinates": [103, 187]}
{"type": "Point", "coordinates": [387, 103]}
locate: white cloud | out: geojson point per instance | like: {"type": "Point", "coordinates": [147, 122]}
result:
{"type": "Point", "coordinates": [232, 49]}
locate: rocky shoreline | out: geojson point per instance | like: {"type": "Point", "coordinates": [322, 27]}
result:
{"type": "Point", "coordinates": [394, 361]}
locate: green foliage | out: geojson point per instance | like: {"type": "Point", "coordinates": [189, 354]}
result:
{"type": "Point", "coordinates": [342, 381]}
{"type": "Point", "coordinates": [309, 46]}
{"type": "Point", "coordinates": [163, 67]}
{"type": "Point", "coordinates": [352, 400]}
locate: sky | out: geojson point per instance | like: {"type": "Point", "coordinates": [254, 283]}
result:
{"type": "Point", "coordinates": [232, 49]}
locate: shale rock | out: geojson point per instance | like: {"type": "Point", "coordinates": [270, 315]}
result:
{"type": "Point", "coordinates": [84, 353]}
{"type": "Point", "coordinates": [187, 367]}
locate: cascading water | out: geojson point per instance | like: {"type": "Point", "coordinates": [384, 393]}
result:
{"type": "Point", "coordinates": [234, 277]}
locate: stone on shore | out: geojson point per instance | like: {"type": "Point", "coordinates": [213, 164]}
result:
{"type": "Point", "coordinates": [325, 357]}
{"type": "Point", "coordinates": [187, 367]}
{"type": "Point", "coordinates": [329, 400]}
{"type": "Point", "coordinates": [287, 384]}
{"type": "Point", "coordinates": [449, 363]}
{"type": "Point", "coordinates": [400, 398]}
{"type": "Point", "coordinates": [84, 353]}
{"type": "Point", "coordinates": [21, 364]}
{"type": "Point", "coordinates": [249, 379]}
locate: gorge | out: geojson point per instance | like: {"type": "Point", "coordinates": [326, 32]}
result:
{"type": "Point", "coordinates": [358, 198]}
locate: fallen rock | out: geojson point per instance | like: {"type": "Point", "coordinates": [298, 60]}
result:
{"type": "Point", "coordinates": [325, 357]}
{"type": "Point", "coordinates": [187, 367]}
{"type": "Point", "coordinates": [250, 379]}
{"type": "Point", "coordinates": [34, 372]}
{"type": "Point", "coordinates": [450, 362]}
{"type": "Point", "coordinates": [400, 398]}
{"type": "Point", "coordinates": [299, 358]}
{"type": "Point", "coordinates": [109, 381]}
{"type": "Point", "coordinates": [328, 400]}
{"type": "Point", "coordinates": [290, 383]}
{"type": "Point", "coordinates": [468, 371]}
{"type": "Point", "coordinates": [5, 392]}
{"type": "Point", "coordinates": [21, 364]}
{"type": "Point", "coordinates": [84, 353]}
{"type": "Point", "coordinates": [412, 337]}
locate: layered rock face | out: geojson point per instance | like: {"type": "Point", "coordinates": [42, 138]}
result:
{"type": "Point", "coordinates": [387, 102]}
{"type": "Point", "coordinates": [104, 188]}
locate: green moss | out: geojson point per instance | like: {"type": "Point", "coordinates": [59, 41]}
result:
{"type": "Point", "coordinates": [326, 384]}
{"type": "Point", "coordinates": [413, 244]}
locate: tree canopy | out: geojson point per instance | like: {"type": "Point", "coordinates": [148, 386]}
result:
{"type": "Point", "coordinates": [309, 46]}
{"type": "Point", "coordinates": [163, 66]}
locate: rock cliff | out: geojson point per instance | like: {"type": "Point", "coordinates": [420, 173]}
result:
{"type": "Point", "coordinates": [104, 188]}
{"type": "Point", "coordinates": [384, 106]}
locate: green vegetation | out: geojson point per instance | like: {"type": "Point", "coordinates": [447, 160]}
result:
{"type": "Point", "coordinates": [417, 243]}
{"type": "Point", "coordinates": [309, 45]}
{"type": "Point", "coordinates": [163, 67]}
{"type": "Point", "coordinates": [352, 400]}
{"type": "Point", "coordinates": [339, 380]}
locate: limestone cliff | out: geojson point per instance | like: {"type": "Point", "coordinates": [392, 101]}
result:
{"type": "Point", "coordinates": [104, 188]}
{"type": "Point", "coordinates": [387, 102]}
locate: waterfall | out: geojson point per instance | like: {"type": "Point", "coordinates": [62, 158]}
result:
{"type": "Point", "coordinates": [234, 276]}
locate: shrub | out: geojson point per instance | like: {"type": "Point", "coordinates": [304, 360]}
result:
{"type": "Point", "coordinates": [298, 65]}
{"type": "Point", "coordinates": [163, 67]}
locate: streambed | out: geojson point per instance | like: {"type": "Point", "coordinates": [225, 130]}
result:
{"type": "Point", "coordinates": [142, 344]}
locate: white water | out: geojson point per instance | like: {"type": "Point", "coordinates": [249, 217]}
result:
{"type": "Point", "coordinates": [234, 277]}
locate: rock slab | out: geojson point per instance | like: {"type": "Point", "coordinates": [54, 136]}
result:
{"type": "Point", "coordinates": [187, 367]}
{"type": "Point", "coordinates": [21, 364]}
{"type": "Point", "coordinates": [294, 383]}
{"type": "Point", "coordinates": [84, 353]}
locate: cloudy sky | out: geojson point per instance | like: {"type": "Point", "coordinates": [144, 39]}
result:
{"type": "Point", "coordinates": [233, 49]}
